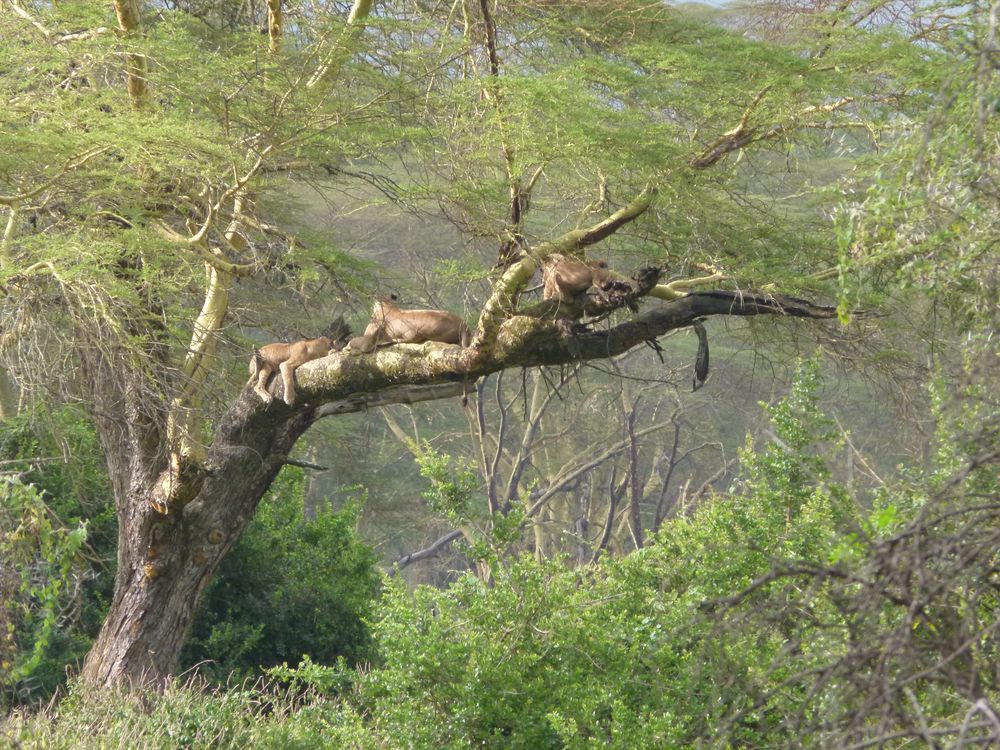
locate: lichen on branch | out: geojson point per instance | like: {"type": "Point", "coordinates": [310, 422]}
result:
{"type": "Point", "coordinates": [503, 300]}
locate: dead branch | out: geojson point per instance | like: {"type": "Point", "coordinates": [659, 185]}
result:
{"type": "Point", "coordinates": [431, 551]}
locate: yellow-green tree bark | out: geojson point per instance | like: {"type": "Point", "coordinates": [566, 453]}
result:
{"type": "Point", "coordinates": [136, 67]}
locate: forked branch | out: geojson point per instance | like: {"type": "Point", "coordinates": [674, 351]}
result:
{"type": "Point", "coordinates": [502, 303]}
{"type": "Point", "coordinates": [744, 134]}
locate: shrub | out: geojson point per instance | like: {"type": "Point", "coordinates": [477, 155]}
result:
{"type": "Point", "coordinates": [290, 586]}
{"type": "Point", "coordinates": [57, 542]}
{"type": "Point", "coordinates": [637, 652]}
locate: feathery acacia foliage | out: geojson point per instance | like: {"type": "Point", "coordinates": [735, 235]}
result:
{"type": "Point", "coordinates": [148, 179]}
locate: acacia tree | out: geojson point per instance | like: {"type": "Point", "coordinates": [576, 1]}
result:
{"type": "Point", "coordinates": [143, 172]}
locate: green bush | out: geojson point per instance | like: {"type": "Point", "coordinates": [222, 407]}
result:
{"type": "Point", "coordinates": [54, 495]}
{"type": "Point", "coordinates": [637, 652]}
{"type": "Point", "coordinates": [761, 620]}
{"type": "Point", "coordinates": [290, 586]}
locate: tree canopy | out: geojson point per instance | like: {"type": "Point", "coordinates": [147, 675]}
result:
{"type": "Point", "coordinates": [161, 164]}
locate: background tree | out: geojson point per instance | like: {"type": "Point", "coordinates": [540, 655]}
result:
{"type": "Point", "coordinates": [567, 450]}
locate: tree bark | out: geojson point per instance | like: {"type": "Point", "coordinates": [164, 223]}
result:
{"type": "Point", "coordinates": [165, 560]}
{"type": "Point", "coordinates": [274, 26]}
{"type": "Point", "coordinates": [8, 403]}
{"type": "Point", "coordinates": [129, 22]}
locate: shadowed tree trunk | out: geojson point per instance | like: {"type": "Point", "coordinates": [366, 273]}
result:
{"type": "Point", "coordinates": [8, 403]}
{"type": "Point", "coordinates": [165, 560]}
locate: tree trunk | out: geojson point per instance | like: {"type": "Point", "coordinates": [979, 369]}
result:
{"type": "Point", "coordinates": [274, 26]}
{"type": "Point", "coordinates": [8, 401]}
{"type": "Point", "coordinates": [165, 560]}
{"type": "Point", "coordinates": [130, 24]}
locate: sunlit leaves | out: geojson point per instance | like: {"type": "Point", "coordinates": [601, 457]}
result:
{"type": "Point", "coordinates": [41, 552]}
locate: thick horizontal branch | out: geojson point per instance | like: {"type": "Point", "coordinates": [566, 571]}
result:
{"type": "Point", "coordinates": [349, 381]}
{"type": "Point", "coordinates": [533, 343]}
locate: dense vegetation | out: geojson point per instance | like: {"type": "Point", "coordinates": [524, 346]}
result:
{"type": "Point", "coordinates": [802, 553]}
{"type": "Point", "coordinates": [738, 624]}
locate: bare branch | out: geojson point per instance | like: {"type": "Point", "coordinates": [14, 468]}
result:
{"type": "Point", "coordinates": [565, 478]}
{"type": "Point", "coordinates": [575, 240]}
{"type": "Point", "coordinates": [198, 236]}
{"type": "Point", "coordinates": [286, 461]}
{"type": "Point", "coordinates": [680, 287]}
{"type": "Point", "coordinates": [196, 242]}
{"type": "Point", "coordinates": [74, 162]}
{"type": "Point", "coordinates": [330, 67]}
{"type": "Point", "coordinates": [742, 135]}
{"type": "Point", "coordinates": [18, 10]}
{"type": "Point", "coordinates": [432, 551]}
